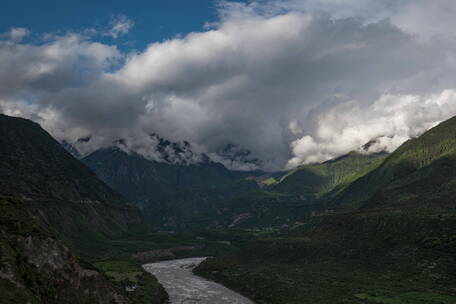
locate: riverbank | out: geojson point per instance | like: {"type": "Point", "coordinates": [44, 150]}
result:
{"type": "Point", "coordinates": [139, 286]}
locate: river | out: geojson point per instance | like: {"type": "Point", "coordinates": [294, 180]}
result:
{"type": "Point", "coordinates": [184, 287]}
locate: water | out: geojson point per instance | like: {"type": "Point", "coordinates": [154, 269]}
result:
{"type": "Point", "coordinates": [184, 287]}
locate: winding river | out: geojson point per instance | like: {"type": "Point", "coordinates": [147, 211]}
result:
{"type": "Point", "coordinates": [184, 287]}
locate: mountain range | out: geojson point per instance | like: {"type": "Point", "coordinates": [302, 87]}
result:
{"type": "Point", "coordinates": [143, 181]}
{"type": "Point", "coordinates": [206, 195]}
{"type": "Point", "coordinates": [54, 209]}
{"type": "Point", "coordinates": [361, 228]}
{"type": "Point", "coordinates": [54, 185]}
{"type": "Point", "coordinates": [387, 236]}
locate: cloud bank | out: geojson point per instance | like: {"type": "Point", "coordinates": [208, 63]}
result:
{"type": "Point", "coordinates": [389, 121]}
{"type": "Point", "coordinates": [290, 81]}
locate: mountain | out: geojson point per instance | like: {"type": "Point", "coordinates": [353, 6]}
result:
{"type": "Point", "coordinates": [194, 197]}
{"type": "Point", "coordinates": [236, 157]}
{"type": "Point", "coordinates": [71, 147]}
{"type": "Point", "coordinates": [35, 267]}
{"type": "Point", "coordinates": [61, 193]}
{"type": "Point", "coordinates": [51, 207]}
{"type": "Point", "coordinates": [177, 153]}
{"type": "Point", "coordinates": [419, 175]}
{"type": "Point", "coordinates": [206, 195]}
{"type": "Point", "coordinates": [315, 180]}
{"type": "Point", "coordinates": [239, 207]}
{"type": "Point", "coordinates": [143, 180]}
{"type": "Point", "coordinates": [278, 205]}
{"type": "Point", "coordinates": [385, 237]}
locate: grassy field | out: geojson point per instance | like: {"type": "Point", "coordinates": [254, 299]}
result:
{"type": "Point", "coordinates": [140, 286]}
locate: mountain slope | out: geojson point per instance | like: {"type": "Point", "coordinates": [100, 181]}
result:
{"type": "Point", "coordinates": [388, 238]}
{"type": "Point", "coordinates": [51, 203]}
{"type": "Point", "coordinates": [61, 193]}
{"type": "Point", "coordinates": [142, 180]}
{"type": "Point", "coordinates": [239, 207]}
{"type": "Point", "coordinates": [36, 165]}
{"type": "Point", "coordinates": [37, 268]}
{"type": "Point", "coordinates": [420, 174]}
{"type": "Point", "coordinates": [365, 258]}
{"type": "Point", "coordinates": [316, 180]}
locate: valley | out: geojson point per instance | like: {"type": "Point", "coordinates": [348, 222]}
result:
{"type": "Point", "coordinates": [319, 234]}
{"type": "Point", "coordinates": [228, 151]}
{"type": "Point", "coordinates": [361, 228]}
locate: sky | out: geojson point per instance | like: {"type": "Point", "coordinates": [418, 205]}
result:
{"type": "Point", "coordinates": [153, 20]}
{"type": "Point", "coordinates": [291, 81]}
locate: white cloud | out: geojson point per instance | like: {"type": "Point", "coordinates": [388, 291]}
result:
{"type": "Point", "coordinates": [18, 33]}
{"type": "Point", "coordinates": [65, 61]}
{"type": "Point", "coordinates": [391, 120]}
{"type": "Point", "coordinates": [325, 76]}
{"type": "Point", "coordinates": [119, 25]}
{"type": "Point", "coordinates": [294, 128]}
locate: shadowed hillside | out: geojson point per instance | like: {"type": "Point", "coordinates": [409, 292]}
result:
{"type": "Point", "coordinates": [145, 181]}
{"type": "Point", "coordinates": [35, 267]}
{"type": "Point", "coordinates": [388, 238]}
{"type": "Point", "coordinates": [59, 191]}
{"type": "Point", "coordinates": [51, 203]}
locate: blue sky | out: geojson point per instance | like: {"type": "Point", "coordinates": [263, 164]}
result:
{"type": "Point", "coordinates": [153, 20]}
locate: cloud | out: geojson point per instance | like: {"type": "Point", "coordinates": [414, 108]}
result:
{"type": "Point", "coordinates": [15, 34]}
{"type": "Point", "coordinates": [390, 120]}
{"type": "Point", "coordinates": [246, 81]}
{"type": "Point", "coordinates": [294, 128]}
{"type": "Point", "coordinates": [18, 33]}
{"type": "Point", "coordinates": [422, 17]}
{"type": "Point", "coordinates": [66, 61]}
{"type": "Point", "coordinates": [119, 25]}
{"type": "Point", "coordinates": [290, 81]}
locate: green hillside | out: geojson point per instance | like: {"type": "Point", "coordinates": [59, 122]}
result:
{"type": "Point", "coordinates": [315, 180]}
{"type": "Point", "coordinates": [419, 175]}
{"type": "Point", "coordinates": [239, 207]}
{"type": "Point", "coordinates": [360, 258]}
{"type": "Point", "coordinates": [389, 237]}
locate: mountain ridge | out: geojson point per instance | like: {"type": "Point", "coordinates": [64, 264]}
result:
{"type": "Point", "coordinates": [425, 162]}
{"type": "Point", "coordinates": [53, 184]}
{"type": "Point", "coordinates": [53, 210]}
{"type": "Point", "coordinates": [387, 237]}
{"type": "Point", "coordinates": [143, 180]}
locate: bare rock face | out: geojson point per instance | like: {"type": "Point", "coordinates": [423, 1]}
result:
{"type": "Point", "coordinates": [73, 280]}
